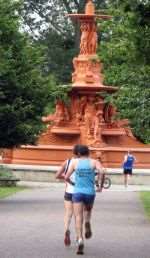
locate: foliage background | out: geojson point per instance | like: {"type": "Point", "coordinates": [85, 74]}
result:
{"type": "Point", "coordinates": [125, 46]}
{"type": "Point", "coordinates": [37, 45]}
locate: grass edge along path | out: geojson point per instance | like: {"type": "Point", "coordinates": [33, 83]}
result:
{"type": "Point", "coordinates": [145, 198]}
{"type": "Point", "coordinates": [6, 191]}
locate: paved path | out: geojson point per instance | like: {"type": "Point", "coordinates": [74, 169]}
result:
{"type": "Point", "coordinates": [31, 226]}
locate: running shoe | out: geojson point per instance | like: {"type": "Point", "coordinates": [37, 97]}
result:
{"type": "Point", "coordinates": [80, 247]}
{"type": "Point", "coordinates": [88, 232]}
{"type": "Point", "coordinates": [67, 240]}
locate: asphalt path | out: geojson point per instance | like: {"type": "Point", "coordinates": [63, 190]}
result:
{"type": "Point", "coordinates": [31, 226]}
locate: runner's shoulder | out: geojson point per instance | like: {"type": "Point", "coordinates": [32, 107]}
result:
{"type": "Point", "coordinates": [93, 161]}
{"type": "Point", "coordinates": [73, 161]}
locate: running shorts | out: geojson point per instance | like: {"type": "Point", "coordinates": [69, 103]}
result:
{"type": "Point", "coordinates": [127, 171]}
{"type": "Point", "coordinates": [87, 199]}
{"type": "Point", "coordinates": [68, 196]}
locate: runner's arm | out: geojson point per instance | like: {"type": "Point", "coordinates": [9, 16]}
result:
{"type": "Point", "coordinates": [125, 158]}
{"type": "Point", "coordinates": [99, 170]}
{"type": "Point", "coordinates": [61, 170]}
{"type": "Point", "coordinates": [70, 171]}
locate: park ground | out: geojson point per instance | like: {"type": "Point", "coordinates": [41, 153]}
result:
{"type": "Point", "coordinates": [31, 225]}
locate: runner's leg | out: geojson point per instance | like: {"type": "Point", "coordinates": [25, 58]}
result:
{"type": "Point", "coordinates": [125, 180]}
{"type": "Point", "coordinates": [78, 212]}
{"type": "Point", "coordinates": [68, 205]}
{"type": "Point", "coordinates": [87, 219]}
{"type": "Point", "coordinates": [68, 214]}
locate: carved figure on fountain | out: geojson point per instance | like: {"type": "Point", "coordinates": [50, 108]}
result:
{"type": "Point", "coordinates": [129, 133]}
{"type": "Point", "coordinates": [89, 38]}
{"type": "Point", "coordinates": [110, 114]}
{"type": "Point", "coordinates": [97, 121]}
{"type": "Point", "coordinates": [83, 104]}
{"type": "Point", "coordinates": [75, 105]}
{"type": "Point", "coordinates": [89, 112]}
{"type": "Point", "coordinates": [78, 75]}
{"type": "Point", "coordinates": [61, 114]}
{"type": "Point", "coordinates": [86, 71]}
{"type": "Point", "coordinates": [85, 29]}
{"type": "Point", "coordinates": [99, 103]}
{"type": "Point", "coordinates": [110, 111]}
{"type": "Point", "coordinates": [93, 40]}
{"type": "Point", "coordinates": [75, 110]}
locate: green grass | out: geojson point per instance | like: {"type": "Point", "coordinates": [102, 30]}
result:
{"type": "Point", "coordinates": [6, 191]}
{"type": "Point", "coordinates": [145, 197]}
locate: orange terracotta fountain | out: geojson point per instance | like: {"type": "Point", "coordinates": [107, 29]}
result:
{"type": "Point", "coordinates": [87, 120]}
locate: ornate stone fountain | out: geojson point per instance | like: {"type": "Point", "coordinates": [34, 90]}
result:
{"type": "Point", "coordinates": [88, 119]}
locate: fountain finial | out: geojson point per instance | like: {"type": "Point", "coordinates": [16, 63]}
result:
{"type": "Point", "coordinates": [90, 8]}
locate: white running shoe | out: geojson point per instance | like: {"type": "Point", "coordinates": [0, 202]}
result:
{"type": "Point", "coordinates": [80, 247]}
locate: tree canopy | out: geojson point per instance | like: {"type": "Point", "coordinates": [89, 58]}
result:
{"type": "Point", "coordinates": [124, 50]}
{"type": "Point", "coordinates": [23, 87]}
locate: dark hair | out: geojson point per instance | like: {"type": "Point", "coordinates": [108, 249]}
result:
{"type": "Point", "coordinates": [83, 150]}
{"type": "Point", "coordinates": [76, 149]}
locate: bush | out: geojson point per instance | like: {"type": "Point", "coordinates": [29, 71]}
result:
{"type": "Point", "coordinates": [6, 173]}
{"type": "Point", "coordinates": [6, 177]}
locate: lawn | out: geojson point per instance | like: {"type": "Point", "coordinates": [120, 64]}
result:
{"type": "Point", "coordinates": [145, 197]}
{"type": "Point", "coordinates": [6, 191]}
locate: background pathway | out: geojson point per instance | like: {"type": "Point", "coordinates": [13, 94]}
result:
{"type": "Point", "coordinates": [31, 226]}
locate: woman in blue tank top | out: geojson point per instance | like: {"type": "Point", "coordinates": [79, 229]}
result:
{"type": "Point", "coordinates": [84, 192]}
{"type": "Point", "coordinates": [128, 163]}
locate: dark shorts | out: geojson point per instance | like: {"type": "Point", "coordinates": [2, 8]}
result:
{"type": "Point", "coordinates": [68, 197]}
{"type": "Point", "coordinates": [127, 171]}
{"type": "Point", "coordinates": [84, 198]}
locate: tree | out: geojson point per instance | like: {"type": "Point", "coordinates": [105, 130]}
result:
{"type": "Point", "coordinates": [24, 90]}
{"type": "Point", "coordinates": [125, 51]}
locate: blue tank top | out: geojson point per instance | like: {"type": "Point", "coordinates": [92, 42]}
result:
{"type": "Point", "coordinates": [84, 177]}
{"type": "Point", "coordinates": [128, 164]}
